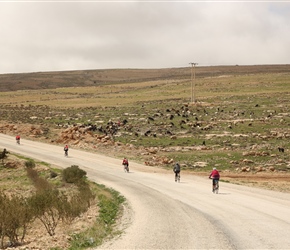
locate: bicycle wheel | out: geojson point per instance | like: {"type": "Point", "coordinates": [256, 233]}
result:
{"type": "Point", "coordinates": [217, 187]}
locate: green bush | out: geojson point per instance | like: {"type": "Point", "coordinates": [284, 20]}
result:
{"type": "Point", "coordinates": [50, 205]}
{"type": "Point", "coordinates": [30, 164]}
{"type": "Point", "coordinates": [73, 174]}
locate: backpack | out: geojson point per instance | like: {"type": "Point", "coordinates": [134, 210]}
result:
{"type": "Point", "coordinates": [177, 168]}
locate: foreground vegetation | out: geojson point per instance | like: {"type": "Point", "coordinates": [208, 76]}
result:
{"type": "Point", "coordinates": [53, 197]}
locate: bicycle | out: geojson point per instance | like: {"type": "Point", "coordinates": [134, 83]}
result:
{"type": "Point", "coordinates": [215, 186]}
{"type": "Point", "coordinates": [177, 177]}
{"type": "Point", "coordinates": [126, 168]}
{"type": "Point", "coordinates": [125, 163]}
{"type": "Point", "coordinates": [18, 139]}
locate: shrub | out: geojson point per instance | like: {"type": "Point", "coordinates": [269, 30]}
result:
{"type": "Point", "coordinates": [38, 182]}
{"type": "Point", "coordinates": [74, 208]}
{"type": "Point", "coordinates": [3, 156]}
{"type": "Point", "coordinates": [30, 164]}
{"type": "Point", "coordinates": [85, 193]}
{"type": "Point", "coordinates": [53, 174]}
{"type": "Point", "coordinates": [49, 207]}
{"type": "Point", "coordinates": [73, 174]}
{"type": "Point", "coordinates": [15, 215]}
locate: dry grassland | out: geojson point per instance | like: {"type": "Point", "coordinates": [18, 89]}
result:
{"type": "Point", "coordinates": [238, 110]}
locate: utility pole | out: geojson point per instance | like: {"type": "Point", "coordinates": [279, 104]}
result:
{"type": "Point", "coordinates": [192, 81]}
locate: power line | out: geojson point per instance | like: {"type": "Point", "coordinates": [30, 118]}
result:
{"type": "Point", "coordinates": [193, 81]}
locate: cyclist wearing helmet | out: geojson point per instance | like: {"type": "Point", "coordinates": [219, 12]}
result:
{"type": "Point", "coordinates": [18, 139]}
{"type": "Point", "coordinates": [125, 163]}
{"type": "Point", "coordinates": [176, 170]}
{"type": "Point", "coordinates": [65, 150]}
{"type": "Point", "coordinates": [215, 176]}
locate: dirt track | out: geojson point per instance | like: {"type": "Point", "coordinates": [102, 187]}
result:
{"type": "Point", "coordinates": [278, 181]}
{"type": "Point", "coordinates": [238, 218]}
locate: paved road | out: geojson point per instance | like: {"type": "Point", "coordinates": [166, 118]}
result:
{"type": "Point", "coordinates": [162, 214]}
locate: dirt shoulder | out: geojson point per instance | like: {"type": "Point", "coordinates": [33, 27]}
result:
{"type": "Point", "coordinates": [275, 181]}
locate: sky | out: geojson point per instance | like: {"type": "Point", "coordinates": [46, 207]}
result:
{"type": "Point", "coordinates": [41, 36]}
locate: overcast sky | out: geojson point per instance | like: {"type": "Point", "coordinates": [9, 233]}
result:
{"type": "Point", "coordinates": [76, 35]}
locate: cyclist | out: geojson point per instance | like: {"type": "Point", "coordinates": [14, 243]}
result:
{"type": "Point", "coordinates": [65, 150]}
{"type": "Point", "coordinates": [215, 176]}
{"type": "Point", "coordinates": [18, 139]}
{"type": "Point", "coordinates": [176, 170]}
{"type": "Point", "coordinates": [125, 163]}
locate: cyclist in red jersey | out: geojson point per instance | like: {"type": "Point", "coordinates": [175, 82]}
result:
{"type": "Point", "coordinates": [18, 139]}
{"type": "Point", "coordinates": [125, 163]}
{"type": "Point", "coordinates": [215, 176]}
{"type": "Point", "coordinates": [65, 150]}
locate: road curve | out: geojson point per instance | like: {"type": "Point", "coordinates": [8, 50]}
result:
{"type": "Point", "coordinates": [162, 214]}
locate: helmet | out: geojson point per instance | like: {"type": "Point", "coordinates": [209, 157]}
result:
{"type": "Point", "coordinates": [214, 169]}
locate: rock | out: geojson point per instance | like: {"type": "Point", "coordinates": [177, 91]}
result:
{"type": "Point", "coordinates": [200, 164]}
{"type": "Point", "coordinates": [259, 169]}
{"type": "Point", "coordinates": [152, 150]}
{"type": "Point", "coordinates": [248, 161]}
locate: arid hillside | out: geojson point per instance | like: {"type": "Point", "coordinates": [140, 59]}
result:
{"type": "Point", "coordinates": [85, 78]}
{"type": "Point", "coordinates": [239, 121]}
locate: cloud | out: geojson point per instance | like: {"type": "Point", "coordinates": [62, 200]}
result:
{"type": "Point", "coordinates": [57, 36]}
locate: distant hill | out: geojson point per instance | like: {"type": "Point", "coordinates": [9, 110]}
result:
{"type": "Point", "coordinates": [84, 78]}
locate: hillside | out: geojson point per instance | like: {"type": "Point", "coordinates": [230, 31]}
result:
{"type": "Point", "coordinates": [239, 122]}
{"type": "Point", "coordinates": [86, 78]}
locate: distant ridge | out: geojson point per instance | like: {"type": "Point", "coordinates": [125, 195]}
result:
{"type": "Point", "coordinates": [85, 78]}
